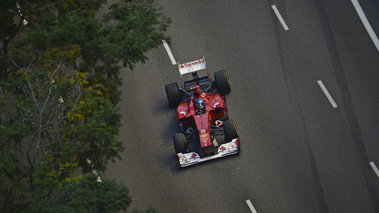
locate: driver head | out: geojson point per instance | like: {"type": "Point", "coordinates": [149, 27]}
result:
{"type": "Point", "coordinates": [199, 103]}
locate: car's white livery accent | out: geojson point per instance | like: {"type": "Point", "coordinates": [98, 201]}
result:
{"type": "Point", "coordinates": [191, 158]}
{"type": "Point", "coordinates": [193, 66]}
{"type": "Point", "coordinates": [218, 123]}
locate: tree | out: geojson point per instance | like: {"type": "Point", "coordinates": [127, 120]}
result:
{"type": "Point", "coordinates": [59, 90]}
{"type": "Point", "coordinates": [33, 144]}
{"type": "Point", "coordinates": [85, 194]}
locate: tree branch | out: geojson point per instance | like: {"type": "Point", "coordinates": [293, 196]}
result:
{"type": "Point", "coordinates": [51, 85]}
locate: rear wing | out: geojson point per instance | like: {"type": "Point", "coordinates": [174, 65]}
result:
{"type": "Point", "coordinates": [198, 70]}
{"type": "Point", "coordinates": [192, 67]}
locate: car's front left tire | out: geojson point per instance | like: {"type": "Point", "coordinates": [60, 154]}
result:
{"type": "Point", "coordinates": [180, 143]}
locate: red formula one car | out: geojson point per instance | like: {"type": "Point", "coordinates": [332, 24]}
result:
{"type": "Point", "coordinates": [206, 131]}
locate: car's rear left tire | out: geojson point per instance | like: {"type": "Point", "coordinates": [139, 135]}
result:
{"type": "Point", "coordinates": [180, 143]}
{"type": "Point", "coordinates": [222, 82]}
{"type": "Point", "coordinates": [173, 94]}
{"type": "Point", "coordinates": [230, 130]}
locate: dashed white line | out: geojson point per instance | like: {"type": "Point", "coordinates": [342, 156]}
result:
{"type": "Point", "coordinates": [95, 172]}
{"type": "Point", "coordinates": [19, 11]}
{"type": "Point", "coordinates": [173, 61]}
{"type": "Point", "coordinates": [251, 206]}
{"type": "Point", "coordinates": [327, 94]}
{"type": "Point", "coordinates": [280, 17]}
{"type": "Point", "coordinates": [366, 23]}
{"type": "Point", "coordinates": [376, 170]}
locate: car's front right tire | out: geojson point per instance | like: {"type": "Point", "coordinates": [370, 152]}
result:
{"type": "Point", "coordinates": [230, 130]}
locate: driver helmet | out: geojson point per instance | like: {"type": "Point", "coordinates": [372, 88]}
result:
{"type": "Point", "coordinates": [199, 103]}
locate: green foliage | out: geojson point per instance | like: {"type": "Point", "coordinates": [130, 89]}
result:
{"type": "Point", "coordinates": [85, 194]}
{"type": "Point", "coordinates": [139, 27]}
{"type": "Point", "coordinates": [33, 113]}
{"type": "Point", "coordinates": [59, 90]}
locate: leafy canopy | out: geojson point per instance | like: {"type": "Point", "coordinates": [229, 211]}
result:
{"type": "Point", "coordinates": [60, 65]}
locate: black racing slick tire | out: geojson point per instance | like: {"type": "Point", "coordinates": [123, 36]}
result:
{"type": "Point", "coordinates": [173, 94]}
{"type": "Point", "coordinates": [230, 130]}
{"type": "Point", "coordinates": [222, 82]}
{"type": "Point", "coordinates": [180, 143]}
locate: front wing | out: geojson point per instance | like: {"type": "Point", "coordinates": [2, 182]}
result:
{"type": "Point", "coordinates": [191, 158]}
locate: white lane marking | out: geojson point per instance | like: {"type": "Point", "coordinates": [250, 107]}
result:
{"type": "Point", "coordinates": [19, 11]}
{"type": "Point", "coordinates": [95, 172]}
{"type": "Point", "coordinates": [280, 17]}
{"type": "Point", "coordinates": [366, 23]}
{"type": "Point", "coordinates": [376, 170]}
{"type": "Point", "coordinates": [327, 94]}
{"type": "Point", "coordinates": [169, 52]}
{"type": "Point", "coordinates": [251, 206]}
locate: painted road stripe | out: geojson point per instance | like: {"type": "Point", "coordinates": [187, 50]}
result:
{"type": "Point", "coordinates": [251, 206]}
{"type": "Point", "coordinates": [376, 170]}
{"type": "Point", "coordinates": [95, 172]}
{"type": "Point", "coordinates": [169, 52]}
{"type": "Point", "coordinates": [327, 94]}
{"type": "Point", "coordinates": [280, 17]}
{"type": "Point", "coordinates": [366, 23]}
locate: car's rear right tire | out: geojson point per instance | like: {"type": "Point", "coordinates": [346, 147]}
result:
{"type": "Point", "coordinates": [180, 143]}
{"type": "Point", "coordinates": [173, 94]}
{"type": "Point", "coordinates": [222, 82]}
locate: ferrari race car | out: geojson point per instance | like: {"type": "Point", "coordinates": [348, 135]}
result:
{"type": "Point", "coordinates": [206, 132]}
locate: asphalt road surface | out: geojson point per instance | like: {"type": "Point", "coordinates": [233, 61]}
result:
{"type": "Point", "coordinates": [299, 153]}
